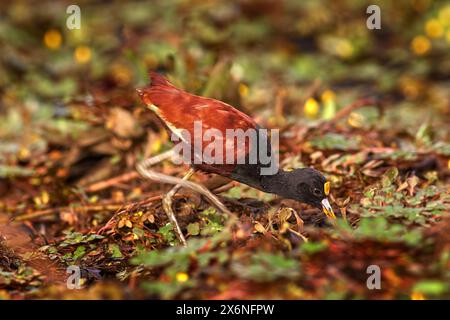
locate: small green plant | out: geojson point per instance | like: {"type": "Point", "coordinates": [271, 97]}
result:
{"type": "Point", "coordinates": [380, 229]}
{"type": "Point", "coordinates": [263, 267]}
{"type": "Point", "coordinates": [167, 233]}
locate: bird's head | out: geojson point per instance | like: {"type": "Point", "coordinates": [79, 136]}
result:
{"type": "Point", "coordinates": [309, 186]}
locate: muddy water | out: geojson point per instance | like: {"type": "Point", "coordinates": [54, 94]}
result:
{"type": "Point", "coordinates": [18, 239]}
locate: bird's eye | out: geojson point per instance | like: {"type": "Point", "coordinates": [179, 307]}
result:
{"type": "Point", "coordinates": [317, 192]}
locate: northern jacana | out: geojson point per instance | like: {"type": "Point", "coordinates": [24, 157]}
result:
{"type": "Point", "coordinates": [181, 112]}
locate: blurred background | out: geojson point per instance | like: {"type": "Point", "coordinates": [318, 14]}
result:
{"type": "Point", "coordinates": [249, 53]}
{"type": "Point", "coordinates": [70, 118]}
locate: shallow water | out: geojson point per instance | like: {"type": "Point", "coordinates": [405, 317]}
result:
{"type": "Point", "coordinates": [18, 239]}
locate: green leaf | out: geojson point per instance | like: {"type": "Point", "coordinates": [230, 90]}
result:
{"type": "Point", "coordinates": [79, 252]}
{"type": "Point", "coordinates": [380, 229]}
{"type": "Point", "coordinates": [114, 250]}
{"type": "Point", "coordinates": [139, 232]}
{"type": "Point", "coordinates": [77, 237]}
{"type": "Point", "coordinates": [166, 290]}
{"type": "Point", "coordinates": [335, 141]}
{"type": "Point", "coordinates": [431, 287]}
{"type": "Point", "coordinates": [423, 135]}
{"type": "Point", "coordinates": [389, 177]}
{"type": "Point", "coordinates": [193, 228]}
{"type": "Point", "coordinates": [313, 247]}
{"type": "Point", "coordinates": [167, 233]}
{"type": "Point", "coordinates": [14, 171]}
{"type": "Point", "coordinates": [264, 267]}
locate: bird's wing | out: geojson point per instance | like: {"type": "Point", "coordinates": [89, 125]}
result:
{"type": "Point", "coordinates": [184, 111]}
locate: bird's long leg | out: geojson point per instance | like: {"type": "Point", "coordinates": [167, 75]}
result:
{"type": "Point", "coordinates": [167, 205]}
{"type": "Point", "coordinates": [148, 162]}
{"type": "Point", "coordinates": [143, 168]}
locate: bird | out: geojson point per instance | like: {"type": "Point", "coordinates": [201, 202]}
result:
{"type": "Point", "coordinates": [182, 113]}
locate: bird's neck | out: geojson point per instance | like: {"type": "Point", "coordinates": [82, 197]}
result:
{"type": "Point", "coordinates": [275, 183]}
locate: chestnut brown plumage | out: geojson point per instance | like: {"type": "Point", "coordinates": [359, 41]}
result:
{"type": "Point", "coordinates": [180, 110]}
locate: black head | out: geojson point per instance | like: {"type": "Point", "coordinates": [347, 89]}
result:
{"type": "Point", "coordinates": [306, 185]}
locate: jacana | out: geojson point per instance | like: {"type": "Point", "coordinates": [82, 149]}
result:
{"type": "Point", "coordinates": [182, 112]}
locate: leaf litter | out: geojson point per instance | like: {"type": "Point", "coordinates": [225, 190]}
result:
{"type": "Point", "coordinates": [72, 131]}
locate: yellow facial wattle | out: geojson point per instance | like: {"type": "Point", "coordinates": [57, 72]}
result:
{"type": "Point", "coordinates": [326, 188]}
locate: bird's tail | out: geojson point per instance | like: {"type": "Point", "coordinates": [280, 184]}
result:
{"type": "Point", "coordinates": [158, 80]}
{"type": "Point", "coordinates": [159, 91]}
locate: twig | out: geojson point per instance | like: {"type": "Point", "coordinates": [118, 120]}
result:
{"type": "Point", "coordinates": [85, 208]}
{"type": "Point", "coordinates": [305, 239]}
{"type": "Point", "coordinates": [226, 187]}
{"type": "Point", "coordinates": [112, 181]}
{"type": "Point", "coordinates": [126, 177]}
{"type": "Point", "coordinates": [351, 107]}
{"type": "Point", "coordinates": [48, 212]}
{"type": "Point", "coordinates": [90, 208]}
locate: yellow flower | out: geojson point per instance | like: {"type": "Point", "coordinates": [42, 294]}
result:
{"type": "Point", "coordinates": [356, 120]}
{"type": "Point", "coordinates": [417, 296]}
{"type": "Point", "coordinates": [53, 39]}
{"type": "Point", "coordinates": [77, 36]}
{"type": "Point", "coordinates": [45, 197]}
{"type": "Point", "coordinates": [37, 201]}
{"type": "Point", "coordinates": [329, 108]}
{"type": "Point", "coordinates": [444, 15]}
{"type": "Point", "coordinates": [311, 108]}
{"type": "Point", "coordinates": [121, 74]}
{"type": "Point", "coordinates": [24, 153]}
{"type": "Point", "coordinates": [434, 29]}
{"type": "Point", "coordinates": [182, 277]}
{"type": "Point", "coordinates": [243, 90]}
{"type": "Point", "coordinates": [82, 54]}
{"type": "Point", "coordinates": [328, 95]}
{"type": "Point", "coordinates": [420, 45]}
{"type": "Point", "coordinates": [344, 49]}
{"type": "Point", "coordinates": [156, 146]}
